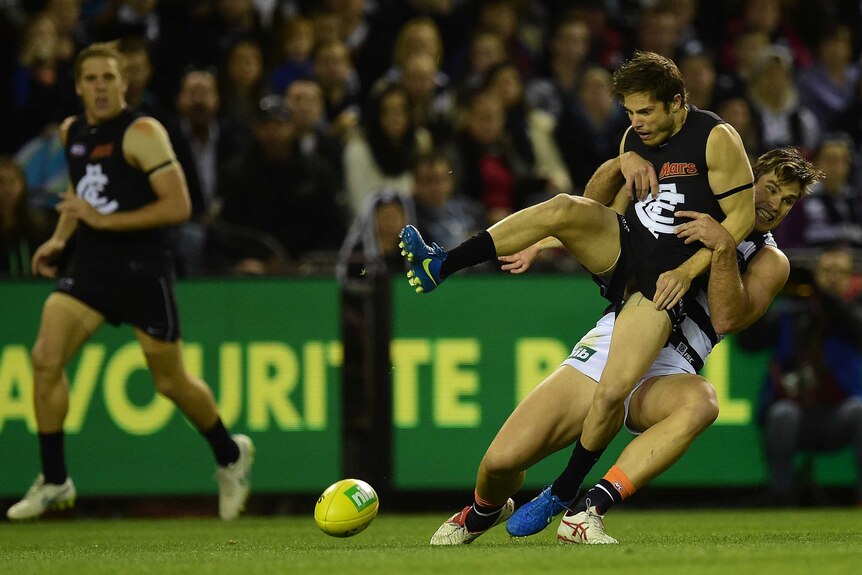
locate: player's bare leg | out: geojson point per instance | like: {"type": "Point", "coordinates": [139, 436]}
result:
{"type": "Point", "coordinates": [587, 229]}
{"type": "Point", "coordinates": [547, 420]}
{"type": "Point", "coordinates": [674, 410]}
{"type": "Point", "coordinates": [640, 332]}
{"type": "Point", "coordinates": [234, 454]}
{"type": "Point", "coordinates": [66, 324]}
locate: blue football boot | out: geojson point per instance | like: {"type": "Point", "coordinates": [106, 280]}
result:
{"type": "Point", "coordinates": [425, 260]}
{"type": "Point", "coordinates": [537, 514]}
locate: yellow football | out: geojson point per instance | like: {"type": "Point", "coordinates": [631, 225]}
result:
{"type": "Point", "coordinates": [346, 508]}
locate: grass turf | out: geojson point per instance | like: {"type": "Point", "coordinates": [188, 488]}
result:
{"type": "Point", "coordinates": [766, 542]}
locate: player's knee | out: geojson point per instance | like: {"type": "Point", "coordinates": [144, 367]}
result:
{"type": "Point", "coordinates": [170, 386]}
{"type": "Point", "coordinates": [701, 406]}
{"type": "Point", "coordinates": [46, 363]}
{"type": "Point", "coordinates": [610, 397]}
{"type": "Point", "coordinates": [500, 463]}
{"type": "Point", "coordinates": [564, 209]}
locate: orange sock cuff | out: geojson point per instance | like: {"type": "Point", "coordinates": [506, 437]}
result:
{"type": "Point", "coordinates": [485, 502]}
{"type": "Point", "coordinates": [620, 481]}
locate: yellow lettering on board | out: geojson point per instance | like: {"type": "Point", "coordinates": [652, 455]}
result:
{"type": "Point", "coordinates": [453, 383]}
{"type": "Point", "coordinates": [273, 374]}
{"type": "Point", "coordinates": [406, 356]}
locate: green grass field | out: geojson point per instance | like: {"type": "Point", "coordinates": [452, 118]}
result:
{"type": "Point", "coordinates": [819, 542]}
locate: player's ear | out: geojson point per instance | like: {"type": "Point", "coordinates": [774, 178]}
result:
{"type": "Point", "coordinates": [676, 104]}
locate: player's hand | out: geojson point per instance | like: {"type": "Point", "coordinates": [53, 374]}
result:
{"type": "Point", "coordinates": [705, 229]}
{"type": "Point", "coordinates": [520, 262]}
{"type": "Point", "coordinates": [670, 288]}
{"type": "Point", "coordinates": [641, 179]}
{"type": "Point", "coordinates": [77, 208]}
{"type": "Point", "coordinates": [42, 262]}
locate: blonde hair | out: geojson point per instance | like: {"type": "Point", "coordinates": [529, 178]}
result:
{"type": "Point", "coordinates": [99, 50]}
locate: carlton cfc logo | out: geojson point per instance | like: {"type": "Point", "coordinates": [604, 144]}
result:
{"type": "Point", "coordinates": [91, 189]}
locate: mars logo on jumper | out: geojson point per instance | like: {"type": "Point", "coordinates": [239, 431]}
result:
{"type": "Point", "coordinates": [677, 169]}
{"type": "Point", "coordinates": [92, 187]}
{"type": "Point", "coordinates": [102, 151]}
{"type": "Point", "coordinates": [656, 214]}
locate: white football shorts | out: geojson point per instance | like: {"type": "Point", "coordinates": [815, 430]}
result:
{"type": "Point", "coordinates": [590, 355]}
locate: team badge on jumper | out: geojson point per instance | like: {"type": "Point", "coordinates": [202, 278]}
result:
{"type": "Point", "coordinates": [92, 188]}
{"type": "Point", "coordinates": [582, 353]}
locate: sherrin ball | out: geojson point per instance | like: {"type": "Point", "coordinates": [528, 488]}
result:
{"type": "Point", "coordinates": [346, 508]}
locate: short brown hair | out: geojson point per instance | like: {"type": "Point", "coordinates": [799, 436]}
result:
{"type": "Point", "coordinates": [98, 50]}
{"type": "Point", "coordinates": [649, 73]}
{"type": "Point", "coordinates": [789, 165]}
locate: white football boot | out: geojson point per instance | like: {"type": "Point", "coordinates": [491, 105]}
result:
{"type": "Point", "coordinates": [234, 481]}
{"type": "Point", "coordinates": [454, 532]}
{"type": "Point", "coordinates": [584, 528]}
{"type": "Point", "coordinates": [41, 497]}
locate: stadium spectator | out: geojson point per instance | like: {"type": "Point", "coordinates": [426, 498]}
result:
{"type": "Point", "coordinates": [22, 229]}
{"type": "Point", "coordinates": [829, 86]}
{"type": "Point", "coordinates": [783, 120]}
{"type": "Point", "coordinates": [739, 113]}
{"type": "Point", "coordinates": [382, 153]}
{"type": "Point", "coordinates": [507, 19]}
{"type": "Point", "coordinates": [530, 130]}
{"type": "Point", "coordinates": [276, 193]}
{"type": "Point", "coordinates": [336, 76]}
{"type": "Point", "coordinates": [591, 127]}
{"type": "Point", "coordinates": [448, 217]}
{"type": "Point", "coordinates": [607, 43]}
{"type": "Point", "coordinates": [242, 82]}
{"type": "Point", "coordinates": [127, 190]}
{"type": "Point", "coordinates": [767, 17]}
{"type": "Point", "coordinates": [432, 102]}
{"type": "Point", "coordinates": [202, 138]}
{"type": "Point", "coordinates": [555, 86]}
{"type": "Point", "coordinates": [370, 248]}
{"type": "Point", "coordinates": [304, 99]}
{"type": "Point", "coordinates": [705, 86]}
{"type": "Point", "coordinates": [811, 401]}
{"type": "Point", "coordinates": [294, 45]}
{"type": "Point", "coordinates": [485, 51]}
{"type": "Point", "coordinates": [487, 165]}
{"type": "Point", "coordinates": [833, 211]}
{"type": "Point", "coordinates": [658, 31]}
{"type": "Point", "coordinates": [42, 82]}
{"type": "Point", "coordinates": [138, 71]}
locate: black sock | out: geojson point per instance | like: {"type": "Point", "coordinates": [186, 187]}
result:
{"type": "Point", "coordinates": [53, 459]}
{"type": "Point", "coordinates": [224, 447]}
{"type": "Point", "coordinates": [481, 517]}
{"type": "Point", "coordinates": [478, 249]}
{"type": "Point", "coordinates": [603, 496]}
{"type": "Point", "coordinates": [582, 461]}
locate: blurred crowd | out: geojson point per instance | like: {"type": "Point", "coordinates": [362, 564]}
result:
{"type": "Point", "coordinates": [302, 124]}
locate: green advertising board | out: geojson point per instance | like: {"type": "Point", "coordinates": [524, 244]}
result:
{"type": "Point", "coordinates": [270, 351]}
{"type": "Point", "coordinates": [466, 354]}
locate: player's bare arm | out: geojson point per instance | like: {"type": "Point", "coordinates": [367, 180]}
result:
{"type": "Point", "coordinates": [147, 147]}
{"type": "Point", "coordinates": [42, 261]}
{"type": "Point", "coordinates": [732, 182]}
{"type": "Point", "coordinates": [520, 262]}
{"type": "Point", "coordinates": [735, 301]}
